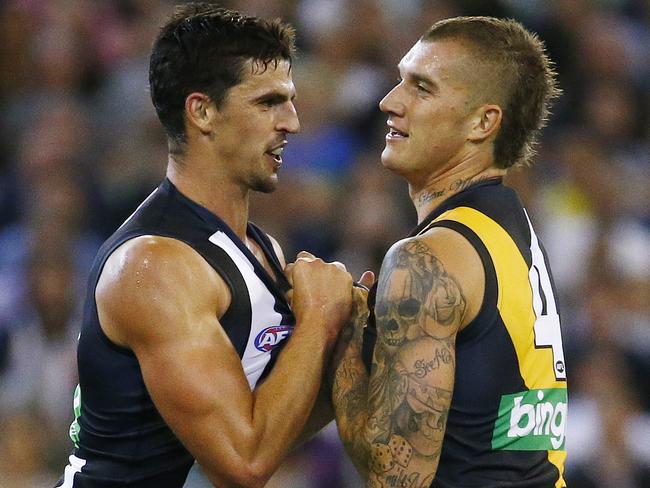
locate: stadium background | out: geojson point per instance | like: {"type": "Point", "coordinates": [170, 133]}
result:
{"type": "Point", "coordinates": [80, 146]}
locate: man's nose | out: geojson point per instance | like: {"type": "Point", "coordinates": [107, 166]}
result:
{"type": "Point", "coordinates": [391, 102]}
{"type": "Point", "coordinates": [289, 122]}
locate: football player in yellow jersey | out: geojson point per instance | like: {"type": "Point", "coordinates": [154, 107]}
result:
{"type": "Point", "coordinates": [457, 378]}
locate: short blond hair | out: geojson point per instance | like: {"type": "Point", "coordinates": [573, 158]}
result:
{"type": "Point", "coordinates": [523, 73]}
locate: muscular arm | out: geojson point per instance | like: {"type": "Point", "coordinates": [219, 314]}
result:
{"type": "Point", "coordinates": [395, 430]}
{"type": "Point", "coordinates": [161, 299]}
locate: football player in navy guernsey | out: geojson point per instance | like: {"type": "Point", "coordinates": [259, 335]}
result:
{"type": "Point", "coordinates": [189, 349]}
{"type": "Point", "coordinates": [458, 380]}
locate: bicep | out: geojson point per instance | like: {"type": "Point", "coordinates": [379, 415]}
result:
{"type": "Point", "coordinates": [197, 384]}
{"type": "Point", "coordinates": [196, 381]}
{"type": "Point", "coordinates": [419, 310]}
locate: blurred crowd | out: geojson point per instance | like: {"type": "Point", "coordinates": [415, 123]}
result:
{"type": "Point", "coordinates": [80, 146]}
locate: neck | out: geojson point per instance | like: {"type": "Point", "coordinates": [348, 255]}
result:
{"type": "Point", "coordinates": [213, 191]}
{"type": "Point", "coordinates": [441, 187]}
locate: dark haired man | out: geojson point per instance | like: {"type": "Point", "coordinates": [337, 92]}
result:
{"type": "Point", "coordinates": [179, 353]}
{"type": "Point", "coordinates": [467, 382]}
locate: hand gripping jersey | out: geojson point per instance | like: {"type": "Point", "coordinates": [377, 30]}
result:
{"type": "Point", "coordinates": [507, 421]}
{"type": "Point", "coordinates": [120, 438]}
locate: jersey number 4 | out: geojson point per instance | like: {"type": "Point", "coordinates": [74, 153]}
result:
{"type": "Point", "coordinates": [547, 323]}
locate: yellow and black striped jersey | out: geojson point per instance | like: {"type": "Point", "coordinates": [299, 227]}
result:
{"type": "Point", "coordinates": [507, 420]}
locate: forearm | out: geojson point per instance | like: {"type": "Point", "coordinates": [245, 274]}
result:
{"type": "Point", "coordinates": [284, 403]}
{"type": "Point", "coordinates": [321, 415]}
{"type": "Point", "coordinates": [251, 445]}
{"type": "Point", "coordinates": [350, 398]}
{"type": "Point", "coordinates": [349, 380]}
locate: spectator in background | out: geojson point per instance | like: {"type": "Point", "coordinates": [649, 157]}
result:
{"type": "Point", "coordinates": [608, 424]}
{"type": "Point", "coordinates": [40, 371]}
{"type": "Point", "coordinates": [39, 374]}
{"type": "Point", "coordinates": [25, 452]}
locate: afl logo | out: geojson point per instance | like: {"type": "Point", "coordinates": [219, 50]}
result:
{"type": "Point", "coordinates": [272, 336]}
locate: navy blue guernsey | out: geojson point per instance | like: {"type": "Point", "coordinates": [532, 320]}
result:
{"type": "Point", "coordinates": [507, 419]}
{"type": "Point", "coordinates": [120, 438]}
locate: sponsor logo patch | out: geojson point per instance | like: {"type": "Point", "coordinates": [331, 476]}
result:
{"type": "Point", "coordinates": [272, 336]}
{"type": "Point", "coordinates": [532, 420]}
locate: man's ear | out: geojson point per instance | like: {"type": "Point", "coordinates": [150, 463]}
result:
{"type": "Point", "coordinates": [200, 111]}
{"type": "Point", "coordinates": [485, 122]}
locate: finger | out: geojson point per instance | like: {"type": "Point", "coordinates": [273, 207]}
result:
{"type": "Point", "coordinates": [288, 272]}
{"type": "Point", "coordinates": [305, 254]}
{"type": "Point", "coordinates": [367, 279]}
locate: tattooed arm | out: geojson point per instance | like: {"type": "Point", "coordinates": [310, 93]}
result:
{"type": "Point", "coordinates": [421, 305]}
{"type": "Point", "coordinates": [350, 385]}
{"type": "Point", "coordinates": [392, 423]}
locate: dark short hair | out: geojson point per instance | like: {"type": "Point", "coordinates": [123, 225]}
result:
{"type": "Point", "coordinates": [517, 66]}
{"type": "Point", "coordinates": [203, 47]}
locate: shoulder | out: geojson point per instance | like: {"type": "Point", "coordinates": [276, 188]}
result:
{"type": "Point", "coordinates": [155, 260]}
{"type": "Point", "coordinates": [153, 278]}
{"type": "Point", "coordinates": [437, 245]}
{"type": "Point", "coordinates": [440, 264]}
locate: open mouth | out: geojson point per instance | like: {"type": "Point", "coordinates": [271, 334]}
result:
{"type": "Point", "coordinates": [395, 134]}
{"type": "Point", "coordinates": [276, 152]}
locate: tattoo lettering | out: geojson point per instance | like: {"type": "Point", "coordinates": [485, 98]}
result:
{"type": "Point", "coordinates": [464, 183]}
{"type": "Point", "coordinates": [427, 196]}
{"type": "Point", "coordinates": [424, 367]}
{"type": "Point", "coordinates": [455, 186]}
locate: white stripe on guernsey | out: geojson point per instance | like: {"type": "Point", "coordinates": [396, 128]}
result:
{"type": "Point", "coordinates": [263, 314]}
{"type": "Point", "coordinates": [71, 469]}
{"type": "Point", "coordinates": [139, 207]}
{"type": "Point", "coordinates": [545, 280]}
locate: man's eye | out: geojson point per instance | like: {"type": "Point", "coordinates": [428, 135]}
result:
{"type": "Point", "coordinates": [422, 89]}
{"type": "Point", "coordinates": [271, 101]}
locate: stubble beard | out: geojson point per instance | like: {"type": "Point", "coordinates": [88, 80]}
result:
{"type": "Point", "coordinates": [264, 185]}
